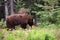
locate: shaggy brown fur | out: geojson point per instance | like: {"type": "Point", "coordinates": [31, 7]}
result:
{"type": "Point", "coordinates": [19, 19]}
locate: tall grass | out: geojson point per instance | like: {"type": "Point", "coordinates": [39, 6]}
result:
{"type": "Point", "coordinates": [1, 35]}
{"type": "Point", "coordinates": [38, 34]}
{"type": "Point", "coordinates": [31, 34]}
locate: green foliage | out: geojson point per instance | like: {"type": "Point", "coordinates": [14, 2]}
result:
{"type": "Point", "coordinates": [38, 5]}
{"type": "Point", "coordinates": [37, 34]}
{"type": "Point", "coordinates": [19, 4]}
{"type": "Point", "coordinates": [14, 35]}
{"type": "Point", "coordinates": [2, 23]}
{"type": "Point", "coordinates": [10, 37]}
{"type": "Point", "coordinates": [19, 33]}
{"type": "Point", "coordinates": [52, 17]}
{"type": "Point", "coordinates": [31, 34]}
{"type": "Point", "coordinates": [1, 35]}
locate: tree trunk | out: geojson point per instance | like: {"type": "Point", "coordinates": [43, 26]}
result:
{"type": "Point", "coordinates": [11, 5]}
{"type": "Point", "coordinates": [6, 9]}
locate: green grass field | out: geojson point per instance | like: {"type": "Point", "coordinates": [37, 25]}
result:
{"type": "Point", "coordinates": [37, 33]}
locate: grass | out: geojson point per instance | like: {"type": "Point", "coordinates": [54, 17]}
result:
{"type": "Point", "coordinates": [29, 34]}
{"type": "Point", "coordinates": [50, 32]}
